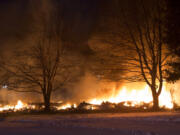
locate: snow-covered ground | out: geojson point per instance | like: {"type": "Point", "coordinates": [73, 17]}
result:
{"type": "Point", "coordinates": [93, 124]}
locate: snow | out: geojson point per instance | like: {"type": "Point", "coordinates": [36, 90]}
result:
{"type": "Point", "coordinates": [163, 123]}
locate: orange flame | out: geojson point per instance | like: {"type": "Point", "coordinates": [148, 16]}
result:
{"type": "Point", "coordinates": [136, 97]}
{"type": "Point", "coordinates": [66, 106]}
{"type": "Point", "coordinates": [19, 106]}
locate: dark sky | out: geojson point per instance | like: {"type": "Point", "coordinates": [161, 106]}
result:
{"type": "Point", "coordinates": [14, 20]}
{"type": "Point", "coordinates": [80, 17]}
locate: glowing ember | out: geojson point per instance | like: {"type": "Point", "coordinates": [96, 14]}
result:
{"type": "Point", "coordinates": [136, 97]}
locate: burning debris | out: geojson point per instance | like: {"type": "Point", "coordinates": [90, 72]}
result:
{"type": "Point", "coordinates": [135, 97]}
{"type": "Point", "coordinates": [66, 106]}
{"type": "Point", "coordinates": [125, 98]}
{"type": "Point", "coordinates": [18, 107]}
{"type": "Point", "coordinates": [120, 100]}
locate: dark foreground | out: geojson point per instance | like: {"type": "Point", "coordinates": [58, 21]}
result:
{"type": "Point", "coordinates": [163, 123]}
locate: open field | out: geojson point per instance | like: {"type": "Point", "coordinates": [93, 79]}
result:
{"type": "Point", "coordinates": [156, 123]}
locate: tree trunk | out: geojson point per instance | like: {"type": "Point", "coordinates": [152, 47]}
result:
{"type": "Point", "coordinates": [155, 102]}
{"type": "Point", "coordinates": [47, 103]}
{"type": "Point", "coordinates": [154, 89]}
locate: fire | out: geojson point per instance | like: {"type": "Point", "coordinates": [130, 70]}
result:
{"type": "Point", "coordinates": [20, 105]}
{"type": "Point", "coordinates": [64, 107]}
{"type": "Point", "coordinates": [67, 106]}
{"type": "Point", "coordinates": [136, 97]}
{"type": "Point", "coordinates": [128, 97]}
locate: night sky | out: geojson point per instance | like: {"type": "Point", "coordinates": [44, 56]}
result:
{"type": "Point", "coordinates": [80, 19]}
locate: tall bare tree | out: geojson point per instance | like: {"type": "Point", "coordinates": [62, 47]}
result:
{"type": "Point", "coordinates": [147, 40]}
{"type": "Point", "coordinates": [138, 31]}
{"type": "Point", "coordinates": [42, 68]}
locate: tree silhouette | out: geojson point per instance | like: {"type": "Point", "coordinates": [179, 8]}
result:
{"type": "Point", "coordinates": [44, 67]}
{"type": "Point", "coordinates": [137, 33]}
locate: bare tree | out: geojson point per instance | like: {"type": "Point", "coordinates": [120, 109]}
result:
{"type": "Point", "coordinates": [139, 32]}
{"type": "Point", "coordinates": [42, 68]}
{"type": "Point", "coordinates": [147, 41]}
